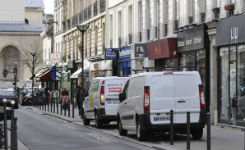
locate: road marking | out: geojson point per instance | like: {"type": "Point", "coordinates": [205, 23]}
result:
{"type": "Point", "coordinates": [162, 143]}
{"type": "Point", "coordinates": [100, 137]}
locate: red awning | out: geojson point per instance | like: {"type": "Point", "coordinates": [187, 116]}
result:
{"type": "Point", "coordinates": [162, 48]}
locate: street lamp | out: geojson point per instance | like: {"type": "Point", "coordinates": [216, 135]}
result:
{"type": "Point", "coordinates": [82, 29]}
{"type": "Point", "coordinates": [33, 54]}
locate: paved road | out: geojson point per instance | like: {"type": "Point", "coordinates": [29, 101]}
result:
{"type": "Point", "coordinates": [42, 132]}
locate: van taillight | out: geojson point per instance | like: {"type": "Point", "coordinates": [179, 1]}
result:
{"type": "Point", "coordinates": [201, 94]}
{"type": "Point", "coordinates": [147, 98]}
{"type": "Point", "coordinates": [102, 94]}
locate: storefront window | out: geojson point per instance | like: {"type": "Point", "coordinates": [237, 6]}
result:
{"type": "Point", "coordinates": [224, 85]}
{"type": "Point", "coordinates": [232, 85]}
{"type": "Point", "coordinates": [241, 85]}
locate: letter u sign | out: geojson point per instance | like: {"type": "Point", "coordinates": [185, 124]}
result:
{"type": "Point", "coordinates": [234, 34]}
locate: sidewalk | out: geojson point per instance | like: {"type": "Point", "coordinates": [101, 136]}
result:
{"type": "Point", "coordinates": [221, 138]}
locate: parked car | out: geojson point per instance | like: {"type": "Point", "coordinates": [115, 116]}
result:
{"type": "Point", "coordinates": [27, 97]}
{"type": "Point", "coordinates": [102, 102]}
{"type": "Point", "coordinates": [9, 95]}
{"type": "Point", "coordinates": [147, 99]}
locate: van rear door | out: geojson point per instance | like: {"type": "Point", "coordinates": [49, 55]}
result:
{"type": "Point", "coordinates": [186, 91]}
{"type": "Point", "coordinates": [113, 87]}
{"type": "Point", "coordinates": [161, 98]}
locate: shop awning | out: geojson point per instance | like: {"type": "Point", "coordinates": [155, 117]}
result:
{"type": "Point", "coordinates": [76, 74]}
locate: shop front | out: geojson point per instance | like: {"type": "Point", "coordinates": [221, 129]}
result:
{"type": "Point", "coordinates": [125, 61]}
{"type": "Point", "coordinates": [163, 52]}
{"type": "Point", "coordinates": [192, 45]}
{"type": "Point", "coordinates": [231, 70]}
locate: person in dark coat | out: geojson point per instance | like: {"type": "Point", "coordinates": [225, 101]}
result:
{"type": "Point", "coordinates": [80, 96]}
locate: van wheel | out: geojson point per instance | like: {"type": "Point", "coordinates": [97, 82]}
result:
{"type": "Point", "coordinates": [197, 133]}
{"type": "Point", "coordinates": [85, 121]}
{"type": "Point", "coordinates": [121, 131]}
{"type": "Point", "coordinates": [98, 123]}
{"type": "Point", "coordinates": [141, 134]}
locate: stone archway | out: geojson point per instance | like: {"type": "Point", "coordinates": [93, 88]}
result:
{"type": "Point", "coordinates": [9, 55]}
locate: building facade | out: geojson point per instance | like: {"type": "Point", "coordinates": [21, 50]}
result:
{"type": "Point", "coordinates": [16, 39]}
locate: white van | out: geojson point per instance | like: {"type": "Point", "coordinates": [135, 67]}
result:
{"type": "Point", "coordinates": [103, 99]}
{"type": "Point", "coordinates": [147, 99]}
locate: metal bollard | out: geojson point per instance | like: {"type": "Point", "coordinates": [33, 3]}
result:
{"type": "Point", "coordinates": [188, 131]}
{"type": "Point", "coordinates": [208, 132]}
{"type": "Point", "coordinates": [12, 126]}
{"type": "Point", "coordinates": [54, 105]}
{"type": "Point", "coordinates": [69, 108]}
{"type": "Point", "coordinates": [57, 105]}
{"type": "Point", "coordinates": [171, 127]}
{"type": "Point", "coordinates": [5, 125]}
{"type": "Point", "coordinates": [1, 136]}
{"type": "Point", "coordinates": [61, 108]}
{"type": "Point", "coordinates": [73, 108]}
{"type": "Point", "coordinates": [15, 140]}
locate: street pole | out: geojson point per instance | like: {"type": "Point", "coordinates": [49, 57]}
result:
{"type": "Point", "coordinates": [5, 125]}
{"type": "Point", "coordinates": [33, 68]}
{"type": "Point", "coordinates": [82, 29]}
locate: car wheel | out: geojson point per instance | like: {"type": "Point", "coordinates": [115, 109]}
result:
{"type": "Point", "coordinates": [197, 133]}
{"type": "Point", "coordinates": [98, 123]}
{"type": "Point", "coordinates": [140, 133]}
{"type": "Point", "coordinates": [121, 131]}
{"type": "Point", "coordinates": [85, 121]}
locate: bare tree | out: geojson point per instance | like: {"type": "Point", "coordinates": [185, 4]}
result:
{"type": "Point", "coordinates": [27, 46]}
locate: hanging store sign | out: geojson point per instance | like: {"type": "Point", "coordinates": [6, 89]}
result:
{"type": "Point", "coordinates": [111, 54]}
{"type": "Point", "coordinates": [140, 50]}
{"type": "Point", "coordinates": [231, 30]}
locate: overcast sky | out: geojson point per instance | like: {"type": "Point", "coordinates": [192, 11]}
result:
{"type": "Point", "coordinates": [49, 6]}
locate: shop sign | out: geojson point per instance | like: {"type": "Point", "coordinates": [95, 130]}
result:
{"type": "Point", "coordinates": [164, 48]}
{"type": "Point", "coordinates": [192, 39]}
{"type": "Point", "coordinates": [111, 54]}
{"type": "Point", "coordinates": [231, 30]}
{"type": "Point", "coordinates": [140, 50]}
{"type": "Point", "coordinates": [55, 57]}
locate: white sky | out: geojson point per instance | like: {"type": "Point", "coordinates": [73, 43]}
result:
{"type": "Point", "coordinates": [49, 6]}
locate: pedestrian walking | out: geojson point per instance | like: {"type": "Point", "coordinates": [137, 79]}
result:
{"type": "Point", "coordinates": [80, 95]}
{"type": "Point", "coordinates": [64, 98]}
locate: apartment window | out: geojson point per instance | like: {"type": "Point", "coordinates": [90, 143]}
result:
{"type": "Point", "coordinates": [90, 43]}
{"type": "Point", "coordinates": [85, 12]}
{"type": "Point", "coordinates": [191, 11]}
{"type": "Point", "coordinates": [130, 23]}
{"type": "Point", "coordinates": [147, 19]}
{"type": "Point", "coordinates": [96, 40]}
{"type": "Point", "coordinates": [119, 24]}
{"type": "Point", "coordinates": [102, 6]}
{"type": "Point", "coordinates": [89, 11]}
{"type": "Point", "coordinates": [80, 17]}
{"type": "Point", "coordinates": [165, 17]}
{"type": "Point", "coordinates": [156, 17]}
{"type": "Point", "coordinates": [95, 8]}
{"type": "Point", "coordinates": [103, 46]}
{"type": "Point", "coordinates": [111, 30]}
{"type": "Point", "coordinates": [140, 20]}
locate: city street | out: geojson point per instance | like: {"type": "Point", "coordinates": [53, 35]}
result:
{"type": "Point", "coordinates": [45, 130]}
{"type": "Point", "coordinates": [42, 132]}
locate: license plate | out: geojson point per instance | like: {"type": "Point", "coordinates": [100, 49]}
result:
{"type": "Point", "coordinates": [112, 102]}
{"type": "Point", "coordinates": [161, 118]}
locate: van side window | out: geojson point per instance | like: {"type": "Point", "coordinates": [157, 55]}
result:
{"type": "Point", "coordinates": [125, 90]}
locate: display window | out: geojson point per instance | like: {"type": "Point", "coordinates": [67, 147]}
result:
{"type": "Point", "coordinates": [232, 85]}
